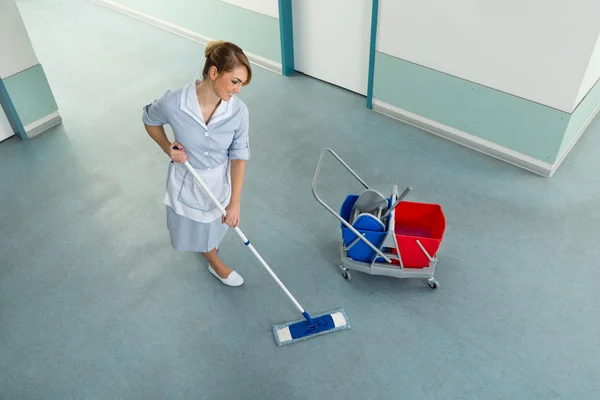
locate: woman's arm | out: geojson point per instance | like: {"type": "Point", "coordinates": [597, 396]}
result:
{"type": "Point", "coordinates": [239, 152]}
{"type": "Point", "coordinates": [238, 168]}
{"type": "Point", "coordinates": [158, 134]}
{"type": "Point", "coordinates": [154, 116]}
{"type": "Point", "coordinates": [232, 210]}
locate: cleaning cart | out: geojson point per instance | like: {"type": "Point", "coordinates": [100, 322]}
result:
{"type": "Point", "coordinates": [387, 235]}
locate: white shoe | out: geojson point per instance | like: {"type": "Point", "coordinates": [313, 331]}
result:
{"type": "Point", "coordinates": [234, 279]}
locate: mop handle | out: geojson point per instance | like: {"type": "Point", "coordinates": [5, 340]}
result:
{"type": "Point", "coordinates": [243, 237]}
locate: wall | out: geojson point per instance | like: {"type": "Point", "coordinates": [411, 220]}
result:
{"type": "Point", "coordinates": [14, 41]}
{"type": "Point", "coordinates": [266, 7]}
{"type": "Point", "coordinates": [25, 93]}
{"type": "Point", "coordinates": [492, 75]}
{"type": "Point", "coordinates": [252, 24]}
{"type": "Point", "coordinates": [6, 129]}
{"type": "Point", "coordinates": [487, 115]}
{"type": "Point", "coordinates": [580, 119]}
{"type": "Point", "coordinates": [502, 45]}
{"type": "Point", "coordinates": [587, 104]}
{"type": "Point", "coordinates": [592, 73]}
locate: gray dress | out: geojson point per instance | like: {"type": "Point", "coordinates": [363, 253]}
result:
{"type": "Point", "coordinates": [193, 220]}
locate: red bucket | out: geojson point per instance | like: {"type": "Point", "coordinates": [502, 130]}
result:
{"type": "Point", "coordinates": [418, 221]}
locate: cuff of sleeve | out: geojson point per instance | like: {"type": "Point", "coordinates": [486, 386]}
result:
{"type": "Point", "coordinates": [239, 154]}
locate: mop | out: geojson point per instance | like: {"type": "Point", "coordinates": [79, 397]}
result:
{"type": "Point", "coordinates": [294, 331]}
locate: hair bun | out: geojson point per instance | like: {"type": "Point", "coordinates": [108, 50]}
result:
{"type": "Point", "coordinates": [211, 46]}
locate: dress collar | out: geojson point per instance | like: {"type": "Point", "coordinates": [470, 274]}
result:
{"type": "Point", "coordinates": [189, 104]}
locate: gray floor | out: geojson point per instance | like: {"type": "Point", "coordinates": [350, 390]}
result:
{"type": "Point", "coordinates": [95, 304]}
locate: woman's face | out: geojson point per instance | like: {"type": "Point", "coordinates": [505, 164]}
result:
{"type": "Point", "coordinates": [229, 83]}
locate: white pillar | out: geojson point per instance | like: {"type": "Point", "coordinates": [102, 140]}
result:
{"type": "Point", "coordinates": [25, 94]}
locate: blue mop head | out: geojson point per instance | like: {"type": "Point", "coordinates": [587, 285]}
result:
{"type": "Point", "coordinates": [322, 324]}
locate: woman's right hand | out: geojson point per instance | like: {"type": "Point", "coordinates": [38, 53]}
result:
{"type": "Point", "coordinates": [177, 155]}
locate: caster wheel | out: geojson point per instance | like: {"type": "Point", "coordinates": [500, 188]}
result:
{"type": "Point", "coordinates": [433, 284]}
{"type": "Point", "coordinates": [346, 273]}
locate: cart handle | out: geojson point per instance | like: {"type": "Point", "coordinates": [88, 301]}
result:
{"type": "Point", "coordinates": [342, 220]}
{"type": "Point", "coordinates": [341, 162]}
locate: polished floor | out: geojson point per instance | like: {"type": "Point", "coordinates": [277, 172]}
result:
{"type": "Point", "coordinates": [95, 304]}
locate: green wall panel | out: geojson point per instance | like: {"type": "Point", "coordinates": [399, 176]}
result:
{"type": "Point", "coordinates": [581, 114]}
{"type": "Point", "coordinates": [30, 94]}
{"type": "Point", "coordinates": [509, 121]}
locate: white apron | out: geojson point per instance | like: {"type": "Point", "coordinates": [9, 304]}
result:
{"type": "Point", "coordinates": [187, 198]}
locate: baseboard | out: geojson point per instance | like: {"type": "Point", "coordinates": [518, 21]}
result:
{"type": "Point", "coordinates": [186, 33]}
{"type": "Point", "coordinates": [568, 149]}
{"type": "Point", "coordinates": [42, 124]}
{"type": "Point", "coordinates": [473, 142]}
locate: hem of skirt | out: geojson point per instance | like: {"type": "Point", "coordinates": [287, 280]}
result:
{"type": "Point", "coordinates": [192, 249]}
{"type": "Point", "coordinates": [189, 250]}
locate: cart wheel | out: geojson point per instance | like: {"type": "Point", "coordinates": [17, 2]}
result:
{"type": "Point", "coordinates": [346, 275]}
{"type": "Point", "coordinates": [432, 283]}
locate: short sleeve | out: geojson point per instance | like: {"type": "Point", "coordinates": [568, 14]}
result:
{"type": "Point", "coordinates": [154, 114]}
{"type": "Point", "coordinates": [240, 146]}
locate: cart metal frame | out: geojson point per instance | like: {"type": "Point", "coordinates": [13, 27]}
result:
{"type": "Point", "coordinates": [386, 268]}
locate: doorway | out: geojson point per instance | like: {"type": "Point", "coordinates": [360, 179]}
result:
{"type": "Point", "coordinates": [332, 41]}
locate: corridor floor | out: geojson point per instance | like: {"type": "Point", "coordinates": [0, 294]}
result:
{"type": "Point", "coordinates": [95, 304]}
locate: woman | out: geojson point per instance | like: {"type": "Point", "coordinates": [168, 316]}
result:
{"type": "Point", "coordinates": [210, 126]}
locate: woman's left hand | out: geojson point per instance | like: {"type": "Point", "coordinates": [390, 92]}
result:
{"type": "Point", "coordinates": [233, 215]}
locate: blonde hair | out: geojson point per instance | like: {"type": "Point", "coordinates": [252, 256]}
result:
{"type": "Point", "coordinates": [225, 56]}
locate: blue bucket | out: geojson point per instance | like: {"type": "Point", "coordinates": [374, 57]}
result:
{"type": "Point", "coordinates": [360, 251]}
